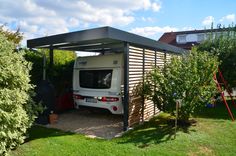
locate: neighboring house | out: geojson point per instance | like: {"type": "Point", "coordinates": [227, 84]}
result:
{"type": "Point", "coordinates": [187, 39]}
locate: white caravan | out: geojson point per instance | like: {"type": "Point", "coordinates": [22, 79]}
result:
{"type": "Point", "coordinates": [97, 82]}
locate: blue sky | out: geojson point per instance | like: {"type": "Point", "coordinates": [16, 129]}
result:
{"type": "Point", "coordinates": [150, 18]}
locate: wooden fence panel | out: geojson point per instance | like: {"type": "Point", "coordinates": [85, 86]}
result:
{"type": "Point", "coordinates": [141, 61]}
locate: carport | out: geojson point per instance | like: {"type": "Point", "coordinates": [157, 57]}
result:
{"type": "Point", "coordinates": [140, 55]}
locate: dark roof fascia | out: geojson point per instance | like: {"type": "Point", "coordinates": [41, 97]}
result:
{"type": "Point", "coordinates": [72, 37]}
{"type": "Point", "coordinates": [102, 34]}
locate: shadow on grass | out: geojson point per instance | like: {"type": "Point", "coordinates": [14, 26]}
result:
{"type": "Point", "coordinates": [37, 132]}
{"type": "Point", "coordinates": [217, 112]}
{"type": "Point", "coordinates": [159, 129]}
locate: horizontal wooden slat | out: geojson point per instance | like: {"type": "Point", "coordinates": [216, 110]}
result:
{"type": "Point", "coordinates": [134, 77]}
{"type": "Point", "coordinates": [132, 47]}
{"type": "Point", "coordinates": [149, 58]}
{"type": "Point", "coordinates": [136, 60]}
{"type": "Point", "coordinates": [136, 80]}
{"type": "Point", "coordinates": [131, 69]}
{"type": "Point", "coordinates": [136, 56]}
{"type": "Point", "coordinates": [136, 64]}
{"type": "Point", "coordinates": [136, 72]}
{"type": "Point", "coordinates": [135, 52]}
{"type": "Point", "coordinates": [150, 51]}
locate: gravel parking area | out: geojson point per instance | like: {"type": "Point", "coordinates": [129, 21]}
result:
{"type": "Point", "coordinates": [91, 122]}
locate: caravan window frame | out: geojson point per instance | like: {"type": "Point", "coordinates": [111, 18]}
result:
{"type": "Point", "coordinates": [98, 79]}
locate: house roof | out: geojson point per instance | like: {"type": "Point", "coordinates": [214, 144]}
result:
{"type": "Point", "coordinates": [99, 40]}
{"type": "Point", "coordinates": [170, 37]}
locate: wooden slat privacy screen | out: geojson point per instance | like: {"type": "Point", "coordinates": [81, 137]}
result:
{"type": "Point", "coordinates": [140, 62]}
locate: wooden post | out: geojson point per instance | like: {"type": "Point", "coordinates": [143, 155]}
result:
{"type": "Point", "coordinates": [155, 65]}
{"type": "Point", "coordinates": [143, 85]}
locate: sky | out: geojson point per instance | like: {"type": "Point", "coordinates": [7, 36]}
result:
{"type": "Point", "coordinates": [149, 18]}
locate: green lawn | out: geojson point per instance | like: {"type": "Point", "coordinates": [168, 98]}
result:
{"type": "Point", "coordinates": [213, 134]}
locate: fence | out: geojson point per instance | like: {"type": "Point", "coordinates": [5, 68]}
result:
{"type": "Point", "coordinates": [140, 62]}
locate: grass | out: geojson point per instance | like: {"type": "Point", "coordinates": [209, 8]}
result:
{"type": "Point", "coordinates": [213, 134]}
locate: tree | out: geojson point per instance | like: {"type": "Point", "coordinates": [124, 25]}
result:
{"type": "Point", "coordinates": [189, 78]}
{"type": "Point", "coordinates": [17, 109]}
{"type": "Point", "coordinates": [224, 47]}
{"type": "Point", "coordinates": [16, 37]}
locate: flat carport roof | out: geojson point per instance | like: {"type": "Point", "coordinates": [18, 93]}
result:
{"type": "Point", "coordinates": [104, 39]}
{"type": "Point", "coordinates": [99, 40]}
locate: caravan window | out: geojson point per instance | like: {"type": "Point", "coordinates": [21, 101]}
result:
{"type": "Point", "coordinates": [95, 79]}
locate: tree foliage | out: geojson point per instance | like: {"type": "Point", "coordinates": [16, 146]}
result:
{"type": "Point", "coordinates": [189, 78]}
{"type": "Point", "coordinates": [15, 37]}
{"type": "Point", "coordinates": [17, 109]}
{"type": "Point", "coordinates": [224, 47]}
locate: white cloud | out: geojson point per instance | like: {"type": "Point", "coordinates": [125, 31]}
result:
{"type": "Point", "coordinates": [147, 19]}
{"type": "Point", "coordinates": [208, 20]}
{"type": "Point", "coordinates": [156, 6]}
{"type": "Point", "coordinates": [146, 4]}
{"type": "Point", "coordinates": [38, 18]}
{"type": "Point", "coordinates": [228, 18]}
{"type": "Point", "coordinates": [73, 22]}
{"type": "Point", "coordinates": [152, 32]}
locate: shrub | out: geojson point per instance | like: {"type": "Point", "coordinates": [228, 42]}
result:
{"type": "Point", "coordinates": [17, 109]}
{"type": "Point", "coordinates": [189, 78]}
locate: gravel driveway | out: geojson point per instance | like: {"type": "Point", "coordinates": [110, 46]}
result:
{"type": "Point", "coordinates": [91, 122]}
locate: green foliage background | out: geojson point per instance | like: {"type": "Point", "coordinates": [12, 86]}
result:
{"type": "Point", "coordinates": [61, 71]}
{"type": "Point", "coordinates": [189, 78]}
{"type": "Point", "coordinates": [224, 47]}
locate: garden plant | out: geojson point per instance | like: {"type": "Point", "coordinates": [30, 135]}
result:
{"type": "Point", "coordinates": [187, 78]}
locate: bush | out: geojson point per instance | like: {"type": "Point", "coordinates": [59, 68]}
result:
{"type": "Point", "coordinates": [17, 109]}
{"type": "Point", "coordinates": [189, 78]}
